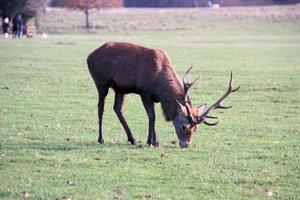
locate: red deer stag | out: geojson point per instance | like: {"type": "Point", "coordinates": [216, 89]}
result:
{"type": "Point", "coordinates": [130, 68]}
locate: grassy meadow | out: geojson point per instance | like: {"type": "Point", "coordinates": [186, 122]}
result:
{"type": "Point", "coordinates": [48, 108]}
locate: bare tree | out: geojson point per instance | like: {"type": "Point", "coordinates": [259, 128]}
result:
{"type": "Point", "coordinates": [85, 6]}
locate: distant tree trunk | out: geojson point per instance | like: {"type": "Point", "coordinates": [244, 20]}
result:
{"type": "Point", "coordinates": [86, 5]}
{"type": "Point", "coordinates": [87, 23]}
{"type": "Point", "coordinates": [37, 22]}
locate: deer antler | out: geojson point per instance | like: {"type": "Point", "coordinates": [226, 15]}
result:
{"type": "Point", "coordinates": [186, 84]}
{"type": "Point", "coordinates": [217, 105]}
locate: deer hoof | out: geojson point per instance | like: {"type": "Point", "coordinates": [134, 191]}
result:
{"type": "Point", "coordinates": [155, 144]}
{"type": "Point", "coordinates": [100, 141]}
{"type": "Point", "coordinates": [132, 141]}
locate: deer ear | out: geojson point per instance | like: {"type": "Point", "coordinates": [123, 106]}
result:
{"type": "Point", "coordinates": [182, 107]}
{"type": "Point", "coordinates": [200, 109]}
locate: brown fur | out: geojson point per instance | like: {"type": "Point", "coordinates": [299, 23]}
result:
{"type": "Point", "coordinates": [130, 68]}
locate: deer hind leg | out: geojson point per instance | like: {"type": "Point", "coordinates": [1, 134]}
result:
{"type": "Point", "coordinates": [149, 107]}
{"type": "Point", "coordinates": [102, 91]}
{"type": "Point", "coordinates": [119, 99]}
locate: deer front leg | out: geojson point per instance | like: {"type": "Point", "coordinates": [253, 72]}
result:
{"type": "Point", "coordinates": [149, 107]}
{"type": "Point", "coordinates": [119, 99]}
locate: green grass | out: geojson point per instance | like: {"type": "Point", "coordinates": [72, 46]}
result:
{"type": "Point", "coordinates": [48, 116]}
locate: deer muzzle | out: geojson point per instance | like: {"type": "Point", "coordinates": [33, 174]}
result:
{"type": "Point", "coordinates": [184, 144]}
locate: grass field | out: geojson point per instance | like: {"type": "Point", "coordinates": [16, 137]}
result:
{"type": "Point", "coordinates": [48, 116]}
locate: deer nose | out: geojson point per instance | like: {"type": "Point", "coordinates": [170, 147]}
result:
{"type": "Point", "coordinates": [184, 144]}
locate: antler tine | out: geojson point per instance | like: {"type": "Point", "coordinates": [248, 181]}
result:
{"type": "Point", "coordinates": [201, 118]}
{"type": "Point", "coordinates": [230, 90]}
{"type": "Point", "coordinates": [230, 81]}
{"type": "Point", "coordinates": [194, 81]}
{"type": "Point", "coordinates": [230, 85]}
{"type": "Point", "coordinates": [211, 117]}
{"type": "Point", "coordinates": [223, 107]}
{"type": "Point", "coordinates": [186, 84]}
{"type": "Point", "coordinates": [236, 89]}
{"type": "Point", "coordinates": [210, 124]}
{"type": "Point", "coordinates": [186, 74]}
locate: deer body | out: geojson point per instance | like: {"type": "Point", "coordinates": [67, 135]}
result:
{"type": "Point", "coordinates": [130, 68]}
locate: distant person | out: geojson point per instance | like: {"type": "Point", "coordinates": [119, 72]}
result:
{"type": "Point", "coordinates": [196, 3]}
{"type": "Point", "coordinates": [18, 26]}
{"type": "Point", "coordinates": [15, 26]}
{"type": "Point", "coordinates": [5, 26]}
{"type": "Point", "coordinates": [209, 3]}
{"type": "Point", "coordinates": [20, 22]}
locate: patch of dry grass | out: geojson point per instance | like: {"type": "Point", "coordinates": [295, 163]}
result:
{"type": "Point", "coordinates": [136, 19]}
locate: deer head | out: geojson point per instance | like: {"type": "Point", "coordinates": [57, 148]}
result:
{"type": "Point", "coordinates": [188, 117]}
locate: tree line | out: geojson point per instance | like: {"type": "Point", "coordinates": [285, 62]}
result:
{"type": "Point", "coordinates": [29, 8]}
